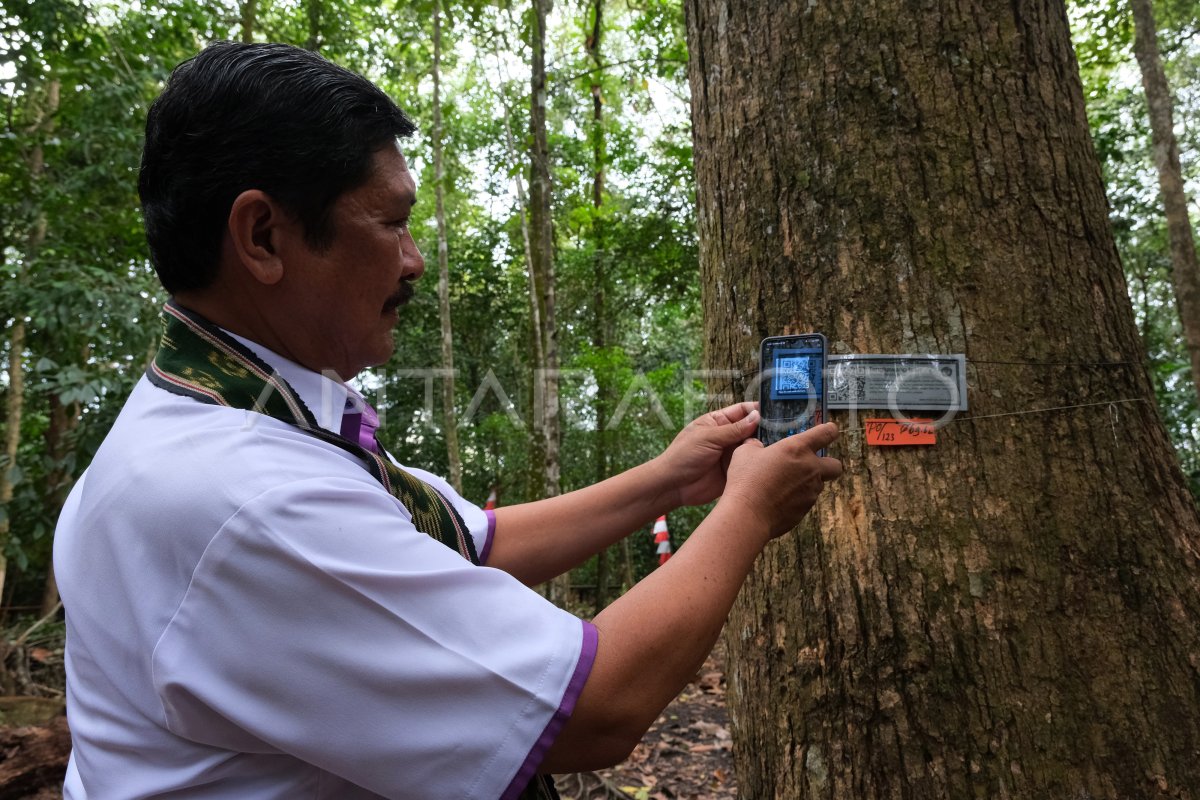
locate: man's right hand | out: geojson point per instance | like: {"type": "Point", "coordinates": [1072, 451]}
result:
{"type": "Point", "coordinates": [780, 483]}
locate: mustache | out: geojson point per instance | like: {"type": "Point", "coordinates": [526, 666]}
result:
{"type": "Point", "coordinates": [400, 297]}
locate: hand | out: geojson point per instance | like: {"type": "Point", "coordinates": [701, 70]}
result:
{"type": "Point", "coordinates": [780, 483]}
{"type": "Point", "coordinates": [693, 465]}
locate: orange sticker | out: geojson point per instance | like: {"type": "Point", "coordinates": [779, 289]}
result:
{"type": "Point", "coordinates": [900, 432]}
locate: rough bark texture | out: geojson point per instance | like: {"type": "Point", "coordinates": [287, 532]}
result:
{"type": "Point", "coordinates": [1011, 613]}
{"type": "Point", "coordinates": [449, 415]}
{"type": "Point", "coordinates": [1185, 271]}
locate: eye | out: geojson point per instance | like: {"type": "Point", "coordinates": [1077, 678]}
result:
{"type": "Point", "coordinates": [399, 225]}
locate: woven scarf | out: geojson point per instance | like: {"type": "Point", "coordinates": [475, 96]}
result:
{"type": "Point", "coordinates": [197, 359]}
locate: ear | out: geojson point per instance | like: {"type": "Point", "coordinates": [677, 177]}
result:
{"type": "Point", "coordinates": [257, 224]}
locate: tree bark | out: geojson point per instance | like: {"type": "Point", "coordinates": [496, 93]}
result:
{"type": "Point", "coordinates": [1185, 271]}
{"type": "Point", "coordinates": [14, 407]}
{"type": "Point", "coordinates": [449, 415]}
{"type": "Point", "coordinates": [1013, 612]}
{"type": "Point", "coordinates": [249, 20]}
{"type": "Point", "coordinates": [541, 227]}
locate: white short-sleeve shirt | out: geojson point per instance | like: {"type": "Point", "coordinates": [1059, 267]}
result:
{"type": "Point", "coordinates": [250, 615]}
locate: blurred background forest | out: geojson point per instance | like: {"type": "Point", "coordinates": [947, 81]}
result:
{"type": "Point", "coordinates": [609, 311]}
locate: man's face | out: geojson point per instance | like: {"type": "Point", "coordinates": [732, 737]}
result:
{"type": "Point", "coordinates": [345, 298]}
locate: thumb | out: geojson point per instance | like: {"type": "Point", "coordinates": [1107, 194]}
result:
{"type": "Point", "coordinates": [735, 432]}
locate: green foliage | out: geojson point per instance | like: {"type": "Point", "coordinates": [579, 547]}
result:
{"type": "Point", "coordinates": [75, 266]}
{"type": "Point", "coordinates": [627, 276]}
{"type": "Point", "coordinates": [1103, 34]}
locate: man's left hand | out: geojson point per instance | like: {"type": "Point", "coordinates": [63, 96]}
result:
{"type": "Point", "coordinates": [694, 463]}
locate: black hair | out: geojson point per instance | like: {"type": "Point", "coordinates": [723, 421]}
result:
{"type": "Point", "coordinates": [254, 116]}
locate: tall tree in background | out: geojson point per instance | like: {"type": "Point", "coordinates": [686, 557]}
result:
{"type": "Point", "coordinates": [541, 229]}
{"type": "Point", "coordinates": [599, 322]}
{"type": "Point", "coordinates": [1185, 271]}
{"type": "Point", "coordinates": [449, 416]}
{"type": "Point", "coordinates": [1014, 612]}
{"type": "Point", "coordinates": [312, 9]}
{"type": "Point", "coordinates": [248, 18]}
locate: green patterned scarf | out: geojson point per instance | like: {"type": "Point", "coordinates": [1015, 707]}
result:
{"type": "Point", "coordinates": [199, 360]}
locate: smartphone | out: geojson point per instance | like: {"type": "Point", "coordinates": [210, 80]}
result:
{"type": "Point", "coordinates": [791, 385]}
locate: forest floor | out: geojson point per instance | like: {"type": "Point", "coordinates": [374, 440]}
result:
{"type": "Point", "coordinates": [686, 754]}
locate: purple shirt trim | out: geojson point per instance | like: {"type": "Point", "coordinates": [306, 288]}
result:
{"type": "Point", "coordinates": [487, 543]}
{"type": "Point", "coordinates": [587, 655]}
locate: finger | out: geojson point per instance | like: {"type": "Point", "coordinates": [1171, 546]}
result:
{"type": "Point", "coordinates": [734, 413]}
{"type": "Point", "coordinates": [733, 432]}
{"type": "Point", "coordinates": [753, 444]}
{"type": "Point", "coordinates": [829, 468]}
{"type": "Point", "coordinates": [818, 437]}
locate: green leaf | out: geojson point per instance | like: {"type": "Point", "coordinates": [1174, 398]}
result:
{"type": "Point", "coordinates": [15, 475]}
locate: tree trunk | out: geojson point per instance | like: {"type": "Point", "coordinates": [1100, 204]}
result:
{"type": "Point", "coordinates": [62, 422]}
{"type": "Point", "coordinates": [313, 9]}
{"type": "Point", "coordinates": [1185, 271]}
{"type": "Point", "coordinates": [58, 480]}
{"type": "Point", "coordinates": [248, 20]}
{"type": "Point", "coordinates": [599, 279]}
{"type": "Point", "coordinates": [1013, 612]}
{"type": "Point", "coordinates": [449, 415]}
{"type": "Point", "coordinates": [541, 228]}
{"type": "Point", "coordinates": [14, 406]}
{"type": "Point", "coordinates": [43, 125]}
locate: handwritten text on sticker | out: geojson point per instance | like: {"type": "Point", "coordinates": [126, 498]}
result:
{"type": "Point", "coordinates": [900, 432]}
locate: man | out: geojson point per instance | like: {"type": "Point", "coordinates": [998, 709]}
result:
{"type": "Point", "coordinates": [260, 604]}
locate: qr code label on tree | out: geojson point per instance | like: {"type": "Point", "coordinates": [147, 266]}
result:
{"type": "Point", "coordinates": [925, 382]}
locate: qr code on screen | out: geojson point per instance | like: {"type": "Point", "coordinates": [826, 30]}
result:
{"type": "Point", "coordinates": [792, 376]}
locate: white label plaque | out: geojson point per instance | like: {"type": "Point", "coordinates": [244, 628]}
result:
{"type": "Point", "coordinates": [919, 382]}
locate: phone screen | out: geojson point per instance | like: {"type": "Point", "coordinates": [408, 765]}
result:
{"type": "Point", "coordinates": [791, 385]}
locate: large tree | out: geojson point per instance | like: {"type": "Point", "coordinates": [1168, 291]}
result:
{"type": "Point", "coordinates": [1013, 612]}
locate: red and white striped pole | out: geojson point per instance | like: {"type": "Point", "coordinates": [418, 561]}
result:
{"type": "Point", "coordinates": [662, 538]}
{"type": "Point", "coordinates": [491, 501]}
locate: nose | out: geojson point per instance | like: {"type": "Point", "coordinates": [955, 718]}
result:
{"type": "Point", "coordinates": [413, 263]}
